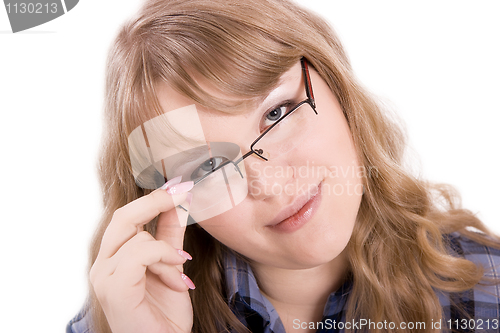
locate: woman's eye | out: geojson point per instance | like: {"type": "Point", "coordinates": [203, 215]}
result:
{"type": "Point", "coordinates": [274, 115]}
{"type": "Point", "coordinates": [207, 167]}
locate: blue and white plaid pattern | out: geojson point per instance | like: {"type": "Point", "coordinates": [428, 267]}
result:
{"type": "Point", "coordinates": [476, 310]}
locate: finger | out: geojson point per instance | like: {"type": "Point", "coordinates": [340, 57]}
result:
{"type": "Point", "coordinates": [132, 259]}
{"type": "Point", "coordinates": [171, 277]}
{"type": "Point", "coordinates": [104, 267]}
{"type": "Point", "coordinates": [147, 250]}
{"type": "Point", "coordinates": [129, 264]}
{"type": "Point", "coordinates": [171, 225]}
{"type": "Point", "coordinates": [126, 220]}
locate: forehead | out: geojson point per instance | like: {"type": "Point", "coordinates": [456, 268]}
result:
{"type": "Point", "coordinates": [213, 122]}
{"type": "Point", "coordinates": [170, 99]}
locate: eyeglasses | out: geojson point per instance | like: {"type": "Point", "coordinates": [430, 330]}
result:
{"type": "Point", "coordinates": [216, 168]}
{"type": "Point", "coordinates": [280, 137]}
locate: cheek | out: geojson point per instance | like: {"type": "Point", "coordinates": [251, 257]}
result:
{"type": "Point", "coordinates": [344, 181]}
{"type": "Point", "coordinates": [230, 227]}
{"type": "Point", "coordinates": [333, 149]}
{"type": "Point", "coordinates": [330, 149]}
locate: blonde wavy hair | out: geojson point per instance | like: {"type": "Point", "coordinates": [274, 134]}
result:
{"type": "Point", "coordinates": [396, 252]}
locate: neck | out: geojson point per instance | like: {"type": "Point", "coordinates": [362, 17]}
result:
{"type": "Point", "coordinates": [300, 294]}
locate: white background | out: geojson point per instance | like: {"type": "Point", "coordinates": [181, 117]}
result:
{"type": "Point", "coordinates": [435, 62]}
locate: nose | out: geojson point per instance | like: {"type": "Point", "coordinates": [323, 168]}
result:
{"type": "Point", "coordinates": [269, 179]}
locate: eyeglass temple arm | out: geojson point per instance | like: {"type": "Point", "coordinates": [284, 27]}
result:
{"type": "Point", "coordinates": [214, 170]}
{"type": "Point", "coordinates": [220, 167]}
{"type": "Point", "coordinates": [307, 80]}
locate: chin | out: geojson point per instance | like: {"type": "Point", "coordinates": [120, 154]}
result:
{"type": "Point", "coordinates": [315, 253]}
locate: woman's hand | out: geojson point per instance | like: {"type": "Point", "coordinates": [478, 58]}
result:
{"type": "Point", "coordinates": [138, 279]}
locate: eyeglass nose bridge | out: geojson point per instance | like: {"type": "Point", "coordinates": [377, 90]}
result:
{"type": "Point", "coordinates": [259, 152]}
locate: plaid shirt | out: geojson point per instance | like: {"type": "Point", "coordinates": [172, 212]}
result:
{"type": "Point", "coordinates": [469, 311]}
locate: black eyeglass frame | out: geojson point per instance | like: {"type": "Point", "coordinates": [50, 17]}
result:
{"type": "Point", "coordinates": [259, 152]}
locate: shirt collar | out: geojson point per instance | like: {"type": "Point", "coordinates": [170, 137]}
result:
{"type": "Point", "coordinates": [242, 287]}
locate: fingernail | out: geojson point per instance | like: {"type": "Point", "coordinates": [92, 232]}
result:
{"type": "Point", "coordinates": [185, 255]}
{"type": "Point", "coordinates": [171, 182]}
{"type": "Point", "coordinates": [188, 281]}
{"type": "Point", "coordinates": [180, 188]}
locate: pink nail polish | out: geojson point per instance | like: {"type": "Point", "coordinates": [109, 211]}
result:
{"type": "Point", "coordinates": [188, 281]}
{"type": "Point", "coordinates": [180, 188]}
{"type": "Point", "coordinates": [171, 182]}
{"type": "Point", "coordinates": [185, 255]}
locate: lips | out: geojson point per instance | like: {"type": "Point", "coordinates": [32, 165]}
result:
{"type": "Point", "coordinates": [298, 213]}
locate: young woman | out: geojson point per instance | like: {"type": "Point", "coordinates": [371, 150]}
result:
{"type": "Point", "coordinates": [246, 116]}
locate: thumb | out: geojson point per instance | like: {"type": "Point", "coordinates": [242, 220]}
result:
{"type": "Point", "coordinates": [171, 225]}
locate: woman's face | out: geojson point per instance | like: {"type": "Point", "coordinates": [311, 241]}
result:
{"type": "Point", "coordinates": [301, 206]}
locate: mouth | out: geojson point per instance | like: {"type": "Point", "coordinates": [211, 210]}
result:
{"type": "Point", "coordinates": [293, 217]}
